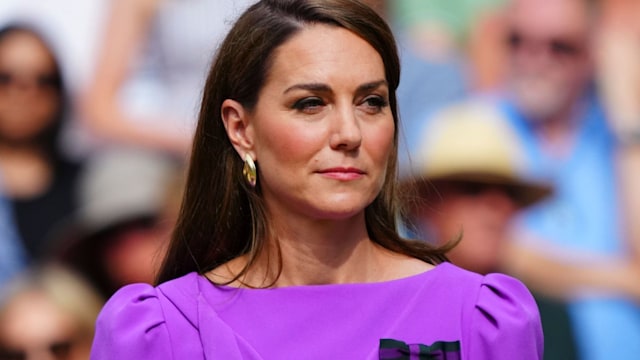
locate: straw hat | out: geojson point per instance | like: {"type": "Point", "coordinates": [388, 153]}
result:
{"type": "Point", "coordinates": [472, 142]}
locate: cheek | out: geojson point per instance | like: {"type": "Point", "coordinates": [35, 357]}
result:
{"type": "Point", "coordinates": [24, 119]}
{"type": "Point", "coordinates": [287, 145]}
{"type": "Point", "coordinates": [381, 140]}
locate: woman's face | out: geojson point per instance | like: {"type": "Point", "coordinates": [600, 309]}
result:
{"type": "Point", "coordinates": [322, 129]}
{"type": "Point", "coordinates": [29, 94]}
{"type": "Point", "coordinates": [33, 327]}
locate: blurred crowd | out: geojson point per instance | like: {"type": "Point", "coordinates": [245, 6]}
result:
{"type": "Point", "coordinates": [520, 137]}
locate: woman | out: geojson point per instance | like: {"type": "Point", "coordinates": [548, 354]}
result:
{"type": "Point", "coordinates": [300, 258]}
{"type": "Point", "coordinates": [37, 177]}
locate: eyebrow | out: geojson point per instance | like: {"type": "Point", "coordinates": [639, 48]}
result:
{"type": "Point", "coordinates": [319, 87]}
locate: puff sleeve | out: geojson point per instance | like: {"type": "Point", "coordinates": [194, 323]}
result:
{"type": "Point", "coordinates": [505, 322]}
{"type": "Point", "coordinates": [132, 326]}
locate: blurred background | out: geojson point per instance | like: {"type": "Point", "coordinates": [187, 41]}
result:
{"type": "Point", "coordinates": [520, 132]}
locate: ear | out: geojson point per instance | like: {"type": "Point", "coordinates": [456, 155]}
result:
{"type": "Point", "coordinates": [238, 126]}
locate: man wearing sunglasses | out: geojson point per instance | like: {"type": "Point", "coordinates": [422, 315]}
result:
{"type": "Point", "coordinates": [572, 246]}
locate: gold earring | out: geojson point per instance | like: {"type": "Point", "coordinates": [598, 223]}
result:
{"type": "Point", "coordinates": [249, 170]}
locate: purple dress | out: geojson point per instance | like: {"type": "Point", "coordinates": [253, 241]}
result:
{"type": "Point", "coordinates": [445, 313]}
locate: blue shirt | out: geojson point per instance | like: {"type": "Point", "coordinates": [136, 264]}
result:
{"type": "Point", "coordinates": [584, 215]}
{"type": "Point", "coordinates": [12, 254]}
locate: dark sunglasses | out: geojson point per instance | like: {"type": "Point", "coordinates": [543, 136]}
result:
{"type": "Point", "coordinates": [59, 350]}
{"type": "Point", "coordinates": [41, 81]}
{"type": "Point", "coordinates": [558, 47]}
{"type": "Point", "coordinates": [472, 189]}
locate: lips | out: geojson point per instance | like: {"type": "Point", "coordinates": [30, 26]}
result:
{"type": "Point", "coordinates": [343, 173]}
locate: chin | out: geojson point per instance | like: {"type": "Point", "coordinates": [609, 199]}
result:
{"type": "Point", "coordinates": [338, 214]}
{"type": "Point", "coordinates": [538, 99]}
{"type": "Point", "coordinates": [340, 210]}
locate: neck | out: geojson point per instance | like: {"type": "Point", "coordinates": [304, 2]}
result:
{"type": "Point", "coordinates": [557, 133]}
{"type": "Point", "coordinates": [25, 170]}
{"type": "Point", "coordinates": [319, 252]}
{"type": "Point", "coordinates": [327, 252]}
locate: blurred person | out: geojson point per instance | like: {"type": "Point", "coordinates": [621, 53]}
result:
{"type": "Point", "coordinates": [74, 28]}
{"type": "Point", "coordinates": [471, 176]}
{"type": "Point", "coordinates": [129, 198]}
{"type": "Point", "coordinates": [573, 246]}
{"type": "Point", "coordinates": [37, 177]}
{"type": "Point", "coordinates": [287, 243]}
{"type": "Point", "coordinates": [47, 313]}
{"type": "Point", "coordinates": [150, 68]}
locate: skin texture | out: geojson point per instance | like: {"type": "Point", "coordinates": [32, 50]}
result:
{"type": "Point", "coordinates": [311, 119]}
{"type": "Point", "coordinates": [321, 134]}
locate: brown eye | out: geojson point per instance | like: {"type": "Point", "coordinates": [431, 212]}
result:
{"type": "Point", "coordinates": [309, 105]}
{"type": "Point", "coordinates": [375, 103]}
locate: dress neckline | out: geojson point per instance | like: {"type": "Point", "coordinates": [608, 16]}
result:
{"type": "Point", "coordinates": [324, 287]}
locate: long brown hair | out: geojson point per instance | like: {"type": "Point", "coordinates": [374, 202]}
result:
{"type": "Point", "coordinates": [221, 216]}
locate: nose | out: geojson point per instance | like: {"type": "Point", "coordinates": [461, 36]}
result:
{"type": "Point", "coordinates": [346, 133]}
